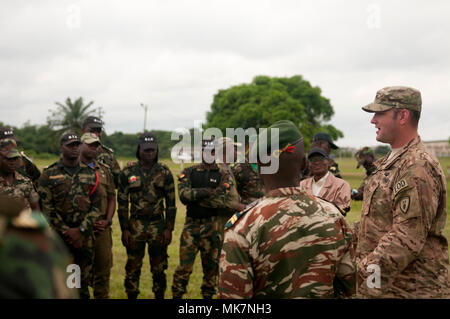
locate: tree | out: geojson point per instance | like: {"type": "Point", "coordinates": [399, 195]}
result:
{"type": "Point", "coordinates": [70, 116]}
{"type": "Point", "coordinates": [266, 100]}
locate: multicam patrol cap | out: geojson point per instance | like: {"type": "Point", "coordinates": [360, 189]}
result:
{"type": "Point", "coordinates": [395, 97]}
{"type": "Point", "coordinates": [93, 122]}
{"type": "Point", "coordinates": [8, 148]}
{"type": "Point", "coordinates": [7, 132]}
{"type": "Point", "coordinates": [69, 138]}
{"type": "Point", "coordinates": [89, 138]}
{"type": "Point", "coordinates": [288, 136]}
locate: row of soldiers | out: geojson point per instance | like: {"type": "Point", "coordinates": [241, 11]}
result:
{"type": "Point", "coordinates": [259, 235]}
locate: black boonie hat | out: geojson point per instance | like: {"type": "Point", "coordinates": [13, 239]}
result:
{"type": "Point", "coordinates": [148, 139]}
{"type": "Point", "coordinates": [69, 138]}
{"type": "Point", "coordinates": [93, 121]}
{"type": "Point", "coordinates": [321, 136]}
{"type": "Point", "coordinates": [317, 150]}
{"type": "Point", "coordinates": [7, 132]}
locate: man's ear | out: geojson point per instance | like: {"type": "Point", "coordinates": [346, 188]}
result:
{"type": "Point", "coordinates": [404, 116]}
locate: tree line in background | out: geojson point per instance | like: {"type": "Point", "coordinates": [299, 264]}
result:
{"type": "Point", "coordinates": [255, 105]}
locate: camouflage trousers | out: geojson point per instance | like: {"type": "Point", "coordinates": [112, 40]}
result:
{"type": "Point", "coordinates": [102, 264]}
{"type": "Point", "coordinates": [146, 234]}
{"type": "Point", "coordinates": [198, 235]}
{"type": "Point", "coordinates": [84, 258]}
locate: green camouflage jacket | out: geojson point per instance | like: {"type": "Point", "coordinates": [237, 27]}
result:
{"type": "Point", "coordinates": [221, 195]}
{"type": "Point", "coordinates": [248, 184]}
{"type": "Point", "coordinates": [27, 168]}
{"type": "Point", "coordinates": [146, 191]}
{"type": "Point", "coordinates": [33, 259]}
{"type": "Point", "coordinates": [67, 200]}
{"type": "Point", "coordinates": [21, 189]}
{"type": "Point", "coordinates": [106, 156]}
{"type": "Point", "coordinates": [401, 228]}
{"type": "Point", "coordinates": [290, 245]}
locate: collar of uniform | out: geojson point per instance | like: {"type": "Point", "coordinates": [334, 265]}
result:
{"type": "Point", "coordinates": [80, 164]}
{"type": "Point", "coordinates": [213, 167]}
{"type": "Point", "coordinates": [286, 192]}
{"type": "Point", "coordinates": [387, 163]}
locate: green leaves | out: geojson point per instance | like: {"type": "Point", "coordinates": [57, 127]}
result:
{"type": "Point", "coordinates": [266, 100]}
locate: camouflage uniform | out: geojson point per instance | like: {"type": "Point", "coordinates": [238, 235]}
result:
{"type": "Point", "coordinates": [146, 190]}
{"type": "Point", "coordinates": [106, 157]}
{"type": "Point", "coordinates": [103, 258]}
{"type": "Point", "coordinates": [208, 195]}
{"type": "Point", "coordinates": [33, 258]}
{"type": "Point", "coordinates": [248, 184]}
{"type": "Point", "coordinates": [28, 169]}
{"type": "Point", "coordinates": [68, 203]}
{"type": "Point", "coordinates": [290, 245]}
{"type": "Point", "coordinates": [401, 228]}
{"type": "Point", "coordinates": [21, 189]}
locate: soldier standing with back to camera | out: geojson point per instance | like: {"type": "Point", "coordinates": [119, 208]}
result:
{"type": "Point", "coordinates": [105, 154]}
{"type": "Point", "coordinates": [146, 184]}
{"type": "Point", "coordinates": [102, 227]}
{"type": "Point", "coordinates": [72, 203]}
{"type": "Point", "coordinates": [400, 238]}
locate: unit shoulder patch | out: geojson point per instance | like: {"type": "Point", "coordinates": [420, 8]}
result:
{"type": "Point", "coordinates": [402, 184]}
{"type": "Point", "coordinates": [404, 204]}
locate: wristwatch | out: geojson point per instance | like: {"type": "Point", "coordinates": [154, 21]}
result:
{"type": "Point", "coordinates": [82, 229]}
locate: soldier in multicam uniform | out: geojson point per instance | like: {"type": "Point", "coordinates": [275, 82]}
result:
{"type": "Point", "coordinates": [404, 209]}
{"type": "Point", "coordinates": [366, 158]}
{"type": "Point", "coordinates": [146, 184]}
{"type": "Point", "coordinates": [33, 258]}
{"type": "Point", "coordinates": [291, 244]}
{"type": "Point", "coordinates": [207, 190]}
{"type": "Point", "coordinates": [72, 203]}
{"type": "Point", "coordinates": [25, 166]}
{"type": "Point", "coordinates": [105, 154]}
{"type": "Point", "coordinates": [13, 183]}
{"type": "Point", "coordinates": [102, 227]}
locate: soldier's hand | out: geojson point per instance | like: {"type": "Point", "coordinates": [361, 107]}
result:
{"type": "Point", "coordinates": [126, 238]}
{"type": "Point", "coordinates": [100, 226]}
{"type": "Point", "coordinates": [73, 235]}
{"type": "Point", "coordinates": [166, 237]}
{"type": "Point", "coordinates": [240, 207]}
{"type": "Point", "coordinates": [78, 244]}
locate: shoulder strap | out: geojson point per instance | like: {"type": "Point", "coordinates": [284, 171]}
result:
{"type": "Point", "coordinates": [96, 184]}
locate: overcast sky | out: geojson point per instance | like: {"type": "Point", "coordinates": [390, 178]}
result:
{"type": "Point", "coordinates": [175, 55]}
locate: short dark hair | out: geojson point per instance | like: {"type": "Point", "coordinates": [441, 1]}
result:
{"type": "Point", "coordinates": [414, 116]}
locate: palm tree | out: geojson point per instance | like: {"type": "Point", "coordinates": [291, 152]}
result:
{"type": "Point", "coordinates": [70, 116]}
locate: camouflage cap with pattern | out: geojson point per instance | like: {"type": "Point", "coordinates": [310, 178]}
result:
{"type": "Point", "coordinates": [89, 138]}
{"type": "Point", "coordinates": [8, 148]}
{"type": "Point", "coordinates": [395, 97]}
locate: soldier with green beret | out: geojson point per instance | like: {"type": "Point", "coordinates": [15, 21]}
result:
{"type": "Point", "coordinates": [403, 214]}
{"type": "Point", "coordinates": [25, 165]}
{"type": "Point", "coordinates": [290, 244]}
{"type": "Point", "coordinates": [72, 203]}
{"type": "Point", "coordinates": [102, 227]}
{"type": "Point", "coordinates": [146, 185]}
{"type": "Point", "coordinates": [105, 155]}
{"type": "Point", "coordinates": [33, 258]}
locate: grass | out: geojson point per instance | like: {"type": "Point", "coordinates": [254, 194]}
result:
{"type": "Point", "coordinates": [348, 170]}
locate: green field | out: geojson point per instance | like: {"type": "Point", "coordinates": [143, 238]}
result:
{"type": "Point", "coordinates": [349, 172]}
